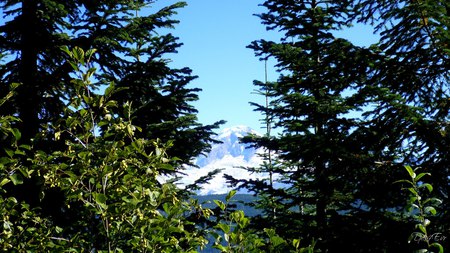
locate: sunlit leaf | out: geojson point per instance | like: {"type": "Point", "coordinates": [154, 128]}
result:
{"type": "Point", "coordinates": [4, 181]}
{"type": "Point", "coordinates": [438, 246]}
{"type": "Point", "coordinates": [428, 186]}
{"type": "Point", "coordinates": [16, 178]}
{"type": "Point", "coordinates": [431, 210]}
{"type": "Point", "coordinates": [220, 204]}
{"type": "Point", "coordinates": [100, 199]}
{"type": "Point", "coordinates": [230, 195]}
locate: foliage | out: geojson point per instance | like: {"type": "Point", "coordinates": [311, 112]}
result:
{"type": "Point", "coordinates": [349, 117]}
{"type": "Point", "coordinates": [110, 190]}
{"type": "Point", "coordinates": [70, 124]}
{"type": "Point", "coordinates": [421, 210]}
{"type": "Point", "coordinates": [135, 46]}
{"type": "Point", "coordinates": [233, 234]}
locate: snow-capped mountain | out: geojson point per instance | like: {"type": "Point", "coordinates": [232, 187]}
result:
{"type": "Point", "coordinates": [230, 146]}
{"type": "Point", "coordinates": [229, 155]}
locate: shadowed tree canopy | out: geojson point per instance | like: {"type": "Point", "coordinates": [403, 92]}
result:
{"type": "Point", "coordinates": [134, 55]}
{"type": "Point", "coordinates": [350, 117]}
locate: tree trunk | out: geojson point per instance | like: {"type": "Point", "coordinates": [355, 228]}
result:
{"type": "Point", "coordinates": [28, 95]}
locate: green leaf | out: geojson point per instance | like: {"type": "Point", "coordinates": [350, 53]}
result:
{"type": "Point", "coordinates": [9, 152]}
{"type": "Point", "coordinates": [404, 181]}
{"type": "Point", "coordinates": [26, 172]}
{"type": "Point", "coordinates": [66, 50]}
{"type": "Point", "coordinates": [109, 91]}
{"type": "Point", "coordinates": [16, 178]}
{"type": "Point", "coordinates": [428, 186]}
{"type": "Point", "coordinates": [153, 195]}
{"type": "Point", "coordinates": [269, 232]}
{"type": "Point", "coordinates": [431, 210]}
{"type": "Point", "coordinates": [436, 200]}
{"type": "Point", "coordinates": [220, 204]}
{"type": "Point", "coordinates": [16, 133]}
{"type": "Point", "coordinates": [221, 248]}
{"type": "Point", "coordinates": [57, 135]}
{"type": "Point", "coordinates": [296, 243]}
{"type": "Point", "coordinates": [58, 229]}
{"type": "Point", "coordinates": [224, 227]}
{"type": "Point", "coordinates": [78, 54]}
{"type": "Point", "coordinates": [237, 215]}
{"type": "Point", "coordinates": [422, 228]}
{"type": "Point", "coordinates": [437, 245]}
{"type": "Point", "coordinates": [4, 181]}
{"type": "Point", "coordinates": [130, 131]}
{"type": "Point", "coordinates": [26, 147]}
{"type": "Point", "coordinates": [276, 240]}
{"type": "Point", "coordinates": [100, 199]}
{"type": "Point", "coordinates": [89, 53]}
{"type": "Point", "coordinates": [166, 208]}
{"type": "Point", "coordinates": [74, 66]}
{"type": "Point", "coordinates": [421, 175]}
{"type": "Point", "coordinates": [410, 171]}
{"type": "Point", "coordinates": [413, 191]}
{"type": "Point", "coordinates": [230, 195]}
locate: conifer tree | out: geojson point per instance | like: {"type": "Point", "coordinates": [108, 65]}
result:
{"type": "Point", "coordinates": [414, 42]}
{"type": "Point", "coordinates": [343, 130]}
{"type": "Point", "coordinates": [134, 56]}
{"type": "Point", "coordinates": [32, 32]}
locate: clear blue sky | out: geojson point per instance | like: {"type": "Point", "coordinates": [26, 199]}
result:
{"type": "Point", "coordinates": [215, 34]}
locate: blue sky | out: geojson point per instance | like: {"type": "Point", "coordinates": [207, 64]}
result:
{"type": "Point", "coordinates": [215, 34]}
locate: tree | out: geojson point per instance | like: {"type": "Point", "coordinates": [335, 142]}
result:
{"type": "Point", "coordinates": [32, 32]}
{"type": "Point", "coordinates": [348, 118]}
{"type": "Point", "coordinates": [414, 43]}
{"type": "Point", "coordinates": [134, 56]}
{"type": "Point", "coordinates": [112, 200]}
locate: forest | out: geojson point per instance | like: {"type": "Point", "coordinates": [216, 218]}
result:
{"type": "Point", "coordinates": [92, 115]}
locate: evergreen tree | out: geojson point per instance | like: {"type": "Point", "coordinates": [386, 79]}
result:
{"type": "Point", "coordinates": [134, 56]}
{"type": "Point", "coordinates": [348, 122]}
{"type": "Point", "coordinates": [31, 34]}
{"type": "Point", "coordinates": [414, 42]}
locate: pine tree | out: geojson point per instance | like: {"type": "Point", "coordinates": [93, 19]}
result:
{"type": "Point", "coordinates": [344, 127]}
{"type": "Point", "coordinates": [32, 32]}
{"type": "Point", "coordinates": [414, 41]}
{"type": "Point", "coordinates": [134, 56]}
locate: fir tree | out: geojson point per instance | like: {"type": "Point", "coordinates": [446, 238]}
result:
{"type": "Point", "coordinates": [414, 45]}
{"type": "Point", "coordinates": [134, 56]}
{"type": "Point", "coordinates": [344, 129]}
{"type": "Point", "coordinates": [32, 32]}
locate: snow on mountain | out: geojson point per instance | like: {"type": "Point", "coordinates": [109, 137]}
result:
{"type": "Point", "coordinates": [230, 146]}
{"type": "Point", "coordinates": [229, 156]}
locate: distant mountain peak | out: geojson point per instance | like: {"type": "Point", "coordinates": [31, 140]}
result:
{"type": "Point", "coordinates": [230, 155]}
{"type": "Point", "coordinates": [230, 146]}
{"type": "Point", "coordinates": [239, 131]}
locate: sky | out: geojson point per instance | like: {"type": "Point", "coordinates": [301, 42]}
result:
{"type": "Point", "coordinates": [215, 34]}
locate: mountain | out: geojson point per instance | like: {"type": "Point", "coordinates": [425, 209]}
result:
{"type": "Point", "coordinates": [230, 155]}
{"type": "Point", "coordinates": [230, 146]}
